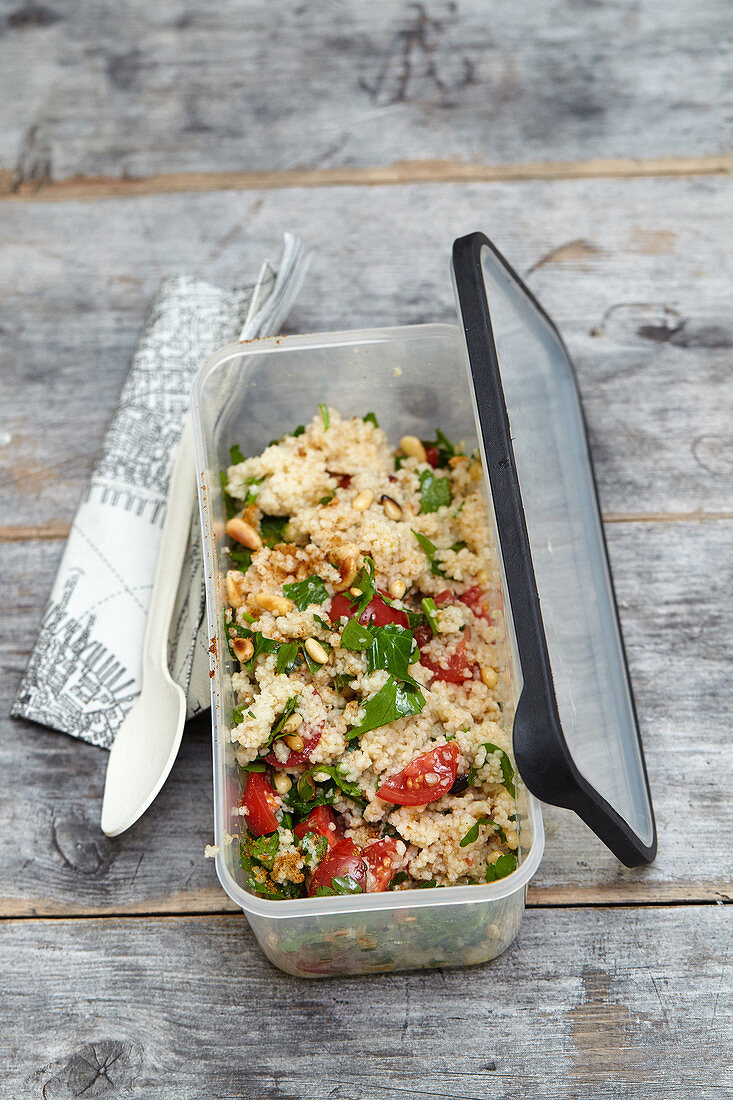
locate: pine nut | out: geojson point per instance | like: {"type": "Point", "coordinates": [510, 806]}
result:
{"type": "Point", "coordinates": [432, 779]}
{"type": "Point", "coordinates": [456, 460]}
{"type": "Point", "coordinates": [475, 472]}
{"type": "Point", "coordinates": [362, 500]}
{"type": "Point", "coordinates": [294, 742]}
{"type": "Point", "coordinates": [294, 722]}
{"type": "Point", "coordinates": [315, 650]}
{"type": "Point", "coordinates": [397, 589]}
{"type": "Point", "coordinates": [243, 648]}
{"type": "Point", "coordinates": [282, 782]}
{"type": "Point", "coordinates": [392, 509]}
{"type": "Point", "coordinates": [413, 448]}
{"type": "Point", "coordinates": [489, 676]}
{"type": "Point", "coordinates": [279, 605]}
{"type": "Point", "coordinates": [233, 594]}
{"type": "Point", "coordinates": [355, 592]}
{"type": "Point", "coordinates": [347, 572]}
{"type": "Point", "coordinates": [240, 531]}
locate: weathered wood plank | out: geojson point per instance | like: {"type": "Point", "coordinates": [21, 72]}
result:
{"type": "Point", "coordinates": [673, 583]}
{"type": "Point", "coordinates": [636, 273]}
{"type": "Point", "coordinates": [608, 1003]}
{"type": "Point", "coordinates": [99, 89]}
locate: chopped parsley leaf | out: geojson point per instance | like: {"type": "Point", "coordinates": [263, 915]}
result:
{"type": "Point", "coordinates": [300, 430]}
{"type": "Point", "coordinates": [507, 771]}
{"type": "Point", "coordinates": [288, 710]}
{"type": "Point", "coordinates": [287, 657]}
{"type": "Point", "coordinates": [371, 418]}
{"type": "Point", "coordinates": [434, 491]}
{"type": "Point", "coordinates": [272, 529]}
{"type": "Point", "coordinates": [340, 884]}
{"type": "Point", "coordinates": [472, 833]}
{"type": "Point", "coordinates": [235, 455]}
{"type": "Point", "coordinates": [504, 866]}
{"type": "Point", "coordinates": [304, 593]}
{"type": "Point", "coordinates": [394, 700]}
{"type": "Point", "coordinates": [355, 636]}
{"type": "Point", "coordinates": [430, 550]}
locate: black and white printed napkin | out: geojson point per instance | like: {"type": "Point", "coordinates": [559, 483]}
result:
{"type": "Point", "coordinates": [85, 669]}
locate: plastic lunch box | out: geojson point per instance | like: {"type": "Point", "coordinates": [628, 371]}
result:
{"type": "Point", "coordinates": [500, 380]}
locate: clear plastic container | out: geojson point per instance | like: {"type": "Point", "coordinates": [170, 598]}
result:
{"type": "Point", "coordinates": [413, 378]}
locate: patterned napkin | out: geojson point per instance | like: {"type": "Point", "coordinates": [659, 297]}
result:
{"type": "Point", "coordinates": [85, 670]}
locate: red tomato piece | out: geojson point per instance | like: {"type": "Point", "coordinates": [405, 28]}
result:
{"type": "Point", "coordinates": [410, 787]}
{"type": "Point", "coordinates": [344, 481]}
{"type": "Point", "coordinates": [311, 736]}
{"type": "Point", "coordinates": [376, 611]}
{"type": "Point", "coordinates": [475, 598]}
{"type": "Point", "coordinates": [458, 668]}
{"type": "Point", "coordinates": [431, 454]}
{"type": "Point", "coordinates": [381, 857]}
{"type": "Point", "coordinates": [344, 859]}
{"type": "Point", "coordinates": [423, 634]}
{"type": "Point", "coordinates": [260, 802]}
{"type": "Point", "coordinates": [444, 598]}
{"type": "Point", "coordinates": [323, 821]}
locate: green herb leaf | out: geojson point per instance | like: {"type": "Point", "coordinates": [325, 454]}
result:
{"type": "Point", "coordinates": [257, 881]}
{"type": "Point", "coordinates": [458, 509]}
{"type": "Point", "coordinates": [230, 505]}
{"type": "Point", "coordinates": [427, 885]}
{"type": "Point", "coordinates": [289, 708]}
{"type": "Point", "coordinates": [253, 490]}
{"type": "Point", "coordinates": [393, 701]}
{"type": "Point", "coordinates": [287, 657]}
{"type": "Point", "coordinates": [272, 529]}
{"type": "Point", "coordinates": [262, 645]}
{"type": "Point", "coordinates": [304, 593]}
{"type": "Point", "coordinates": [430, 550]}
{"type": "Point", "coordinates": [392, 650]}
{"type": "Point", "coordinates": [300, 430]}
{"type": "Point", "coordinates": [431, 613]}
{"type": "Point", "coordinates": [323, 409]}
{"type": "Point", "coordinates": [507, 770]}
{"type": "Point", "coordinates": [504, 866]}
{"type": "Point", "coordinates": [314, 847]}
{"type": "Point", "coordinates": [340, 884]}
{"type": "Point", "coordinates": [472, 834]}
{"type": "Point", "coordinates": [370, 418]}
{"type": "Point", "coordinates": [328, 497]}
{"type": "Point", "coordinates": [355, 636]}
{"type": "Point", "coordinates": [352, 790]}
{"type": "Point", "coordinates": [238, 715]}
{"type": "Point", "coordinates": [434, 491]}
{"type": "Point", "coordinates": [366, 581]}
{"type": "Point", "coordinates": [398, 879]}
{"type": "Point", "coordinates": [264, 849]}
{"type": "Point", "coordinates": [241, 556]}
{"type": "Point", "coordinates": [254, 766]}
{"type": "Point", "coordinates": [443, 445]}
{"type": "Point", "coordinates": [235, 455]}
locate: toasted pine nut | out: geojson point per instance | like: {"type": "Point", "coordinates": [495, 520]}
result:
{"type": "Point", "coordinates": [413, 448]}
{"type": "Point", "coordinates": [392, 509]}
{"type": "Point", "coordinates": [489, 675]}
{"type": "Point", "coordinates": [243, 648]}
{"type": "Point", "coordinates": [355, 592]}
{"type": "Point", "coordinates": [282, 782]}
{"type": "Point", "coordinates": [475, 472]}
{"type": "Point", "coordinates": [456, 460]}
{"type": "Point", "coordinates": [234, 596]}
{"type": "Point", "coordinates": [347, 572]}
{"type": "Point", "coordinates": [483, 576]}
{"type": "Point", "coordinates": [240, 531]}
{"type": "Point", "coordinates": [362, 500]}
{"type": "Point", "coordinates": [431, 779]}
{"type": "Point", "coordinates": [397, 589]}
{"type": "Point", "coordinates": [295, 742]}
{"type": "Point", "coordinates": [279, 605]}
{"type": "Point", "coordinates": [315, 650]}
{"type": "Point", "coordinates": [294, 722]}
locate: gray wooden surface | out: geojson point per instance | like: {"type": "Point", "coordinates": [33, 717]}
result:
{"type": "Point", "coordinates": [592, 142]}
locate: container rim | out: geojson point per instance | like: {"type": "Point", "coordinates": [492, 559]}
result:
{"type": "Point", "coordinates": [293, 908]}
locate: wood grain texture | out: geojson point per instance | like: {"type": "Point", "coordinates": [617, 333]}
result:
{"type": "Point", "coordinates": [673, 583]}
{"type": "Point", "coordinates": [611, 1004]}
{"type": "Point", "coordinates": [635, 272]}
{"type": "Point", "coordinates": [102, 89]}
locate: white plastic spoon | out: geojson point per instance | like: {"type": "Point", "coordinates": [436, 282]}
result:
{"type": "Point", "coordinates": [149, 738]}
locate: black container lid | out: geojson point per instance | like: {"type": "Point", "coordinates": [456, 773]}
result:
{"type": "Point", "coordinates": [576, 734]}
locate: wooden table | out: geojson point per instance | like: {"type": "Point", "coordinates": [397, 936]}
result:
{"type": "Point", "coordinates": [589, 141]}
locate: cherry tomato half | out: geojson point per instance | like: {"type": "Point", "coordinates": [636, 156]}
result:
{"type": "Point", "coordinates": [432, 456]}
{"type": "Point", "coordinates": [381, 857]}
{"type": "Point", "coordinates": [410, 786]}
{"type": "Point", "coordinates": [458, 667]}
{"type": "Point", "coordinates": [475, 598]}
{"type": "Point", "coordinates": [260, 802]}
{"type": "Point", "coordinates": [323, 821]}
{"type": "Point", "coordinates": [344, 859]}
{"type": "Point", "coordinates": [311, 736]}
{"type": "Point", "coordinates": [376, 611]}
